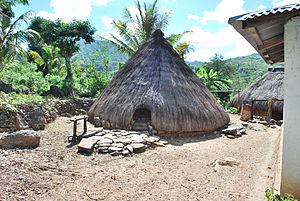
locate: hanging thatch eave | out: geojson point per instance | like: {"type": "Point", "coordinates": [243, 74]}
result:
{"type": "Point", "coordinates": [270, 86]}
{"type": "Point", "coordinates": [157, 79]}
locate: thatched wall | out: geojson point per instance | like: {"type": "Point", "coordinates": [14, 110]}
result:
{"type": "Point", "coordinates": [156, 79]}
{"type": "Point", "coordinates": [270, 86]}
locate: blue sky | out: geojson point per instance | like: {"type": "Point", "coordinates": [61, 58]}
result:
{"type": "Point", "coordinates": [207, 19]}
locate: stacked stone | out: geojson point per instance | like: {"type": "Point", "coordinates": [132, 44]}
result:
{"type": "Point", "coordinates": [119, 142]}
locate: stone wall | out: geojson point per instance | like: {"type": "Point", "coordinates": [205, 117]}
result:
{"type": "Point", "coordinates": [37, 115]}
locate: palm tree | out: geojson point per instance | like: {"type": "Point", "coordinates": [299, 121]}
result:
{"type": "Point", "coordinates": [135, 29]}
{"type": "Point", "coordinates": [12, 39]}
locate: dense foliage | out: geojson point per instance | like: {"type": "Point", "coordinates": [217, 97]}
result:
{"type": "Point", "coordinates": [65, 37]}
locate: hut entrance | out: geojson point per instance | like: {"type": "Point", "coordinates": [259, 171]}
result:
{"type": "Point", "coordinates": [141, 119]}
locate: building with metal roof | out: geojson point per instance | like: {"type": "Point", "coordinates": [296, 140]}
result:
{"type": "Point", "coordinates": [264, 30]}
{"type": "Point", "coordinates": [275, 34]}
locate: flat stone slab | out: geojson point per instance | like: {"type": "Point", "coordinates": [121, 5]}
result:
{"type": "Point", "coordinates": [234, 129]}
{"type": "Point", "coordinates": [87, 145]}
{"type": "Point", "coordinates": [20, 139]}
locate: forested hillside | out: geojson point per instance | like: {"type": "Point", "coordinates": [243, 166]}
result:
{"type": "Point", "coordinates": [249, 69]}
{"type": "Point", "coordinates": [100, 52]}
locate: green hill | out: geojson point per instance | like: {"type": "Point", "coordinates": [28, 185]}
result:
{"type": "Point", "coordinates": [100, 52]}
{"type": "Point", "coordinates": [249, 69]}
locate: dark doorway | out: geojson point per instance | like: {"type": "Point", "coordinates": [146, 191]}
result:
{"type": "Point", "coordinates": [141, 119]}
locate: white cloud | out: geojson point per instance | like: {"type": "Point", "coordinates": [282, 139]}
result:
{"type": "Point", "coordinates": [200, 55]}
{"type": "Point", "coordinates": [193, 17]}
{"type": "Point", "coordinates": [277, 3]}
{"type": "Point", "coordinates": [224, 10]}
{"type": "Point", "coordinates": [107, 21]}
{"type": "Point", "coordinates": [261, 7]}
{"type": "Point", "coordinates": [223, 38]}
{"type": "Point", "coordinates": [71, 9]}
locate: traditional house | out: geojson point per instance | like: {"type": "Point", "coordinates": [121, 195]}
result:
{"type": "Point", "coordinates": [267, 90]}
{"type": "Point", "coordinates": [275, 34]}
{"type": "Point", "coordinates": [156, 90]}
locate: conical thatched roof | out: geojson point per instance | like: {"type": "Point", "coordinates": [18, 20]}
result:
{"type": "Point", "coordinates": [270, 86]}
{"type": "Point", "coordinates": [156, 79]}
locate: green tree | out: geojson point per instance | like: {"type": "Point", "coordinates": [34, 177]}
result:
{"type": "Point", "coordinates": [6, 6]}
{"type": "Point", "coordinates": [221, 66]}
{"type": "Point", "coordinates": [134, 30]}
{"type": "Point", "coordinates": [212, 80]}
{"type": "Point", "coordinates": [64, 36]}
{"type": "Point", "coordinates": [11, 39]}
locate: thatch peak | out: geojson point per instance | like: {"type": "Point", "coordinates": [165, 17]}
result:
{"type": "Point", "coordinates": [157, 33]}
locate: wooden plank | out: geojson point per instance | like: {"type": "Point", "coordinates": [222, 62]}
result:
{"type": "Point", "coordinates": [271, 43]}
{"type": "Point", "coordinates": [253, 31]}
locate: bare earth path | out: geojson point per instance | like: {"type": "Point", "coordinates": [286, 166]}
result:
{"type": "Point", "coordinates": [180, 171]}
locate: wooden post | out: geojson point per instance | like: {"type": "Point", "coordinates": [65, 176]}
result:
{"type": "Point", "coordinates": [85, 125]}
{"type": "Point", "coordinates": [270, 103]}
{"type": "Point", "coordinates": [74, 137]}
{"type": "Point", "coordinates": [252, 108]}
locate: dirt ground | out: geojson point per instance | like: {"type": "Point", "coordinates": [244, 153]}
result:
{"type": "Point", "coordinates": [181, 170]}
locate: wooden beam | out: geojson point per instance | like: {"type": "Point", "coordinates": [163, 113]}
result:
{"type": "Point", "coordinates": [278, 59]}
{"type": "Point", "coordinates": [274, 50]}
{"type": "Point", "coordinates": [271, 42]}
{"type": "Point", "coordinates": [253, 31]}
{"type": "Point", "coordinates": [276, 55]}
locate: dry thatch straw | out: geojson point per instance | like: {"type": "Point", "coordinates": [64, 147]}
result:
{"type": "Point", "coordinates": [270, 86]}
{"type": "Point", "coordinates": [156, 80]}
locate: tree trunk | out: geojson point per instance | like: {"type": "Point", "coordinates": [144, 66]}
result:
{"type": "Point", "coordinates": [69, 82]}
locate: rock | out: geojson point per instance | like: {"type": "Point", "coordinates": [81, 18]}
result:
{"type": "Point", "coordinates": [144, 135]}
{"type": "Point", "coordinates": [125, 140]}
{"type": "Point", "coordinates": [150, 139]}
{"type": "Point", "coordinates": [96, 137]}
{"type": "Point", "coordinates": [257, 127]}
{"type": "Point", "coordinates": [21, 139]}
{"type": "Point", "coordinates": [125, 152]}
{"type": "Point", "coordinates": [233, 129]}
{"type": "Point", "coordinates": [228, 161]}
{"type": "Point", "coordinates": [134, 132]}
{"type": "Point", "coordinates": [137, 139]}
{"type": "Point", "coordinates": [115, 153]}
{"type": "Point", "coordinates": [129, 148]}
{"type": "Point", "coordinates": [105, 141]}
{"type": "Point", "coordinates": [86, 145]}
{"type": "Point", "coordinates": [138, 146]}
{"type": "Point", "coordinates": [120, 145]}
{"type": "Point", "coordinates": [115, 148]}
{"type": "Point", "coordinates": [103, 145]}
{"type": "Point", "coordinates": [164, 142]}
{"type": "Point", "coordinates": [159, 144]}
{"type": "Point", "coordinates": [263, 122]}
{"type": "Point", "coordinates": [231, 136]}
{"type": "Point", "coordinates": [246, 124]}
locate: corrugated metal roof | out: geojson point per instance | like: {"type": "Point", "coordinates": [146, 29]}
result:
{"type": "Point", "coordinates": [255, 14]}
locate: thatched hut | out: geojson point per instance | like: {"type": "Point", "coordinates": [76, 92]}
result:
{"type": "Point", "coordinates": [269, 87]}
{"type": "Point", "coordinates": [155, 89]}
